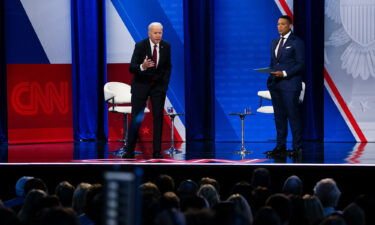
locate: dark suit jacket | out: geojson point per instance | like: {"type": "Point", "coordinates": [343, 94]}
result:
{"type": "Point", "coordinates": [159, 77]}
{"type": "Point", "coordinates": [292, 60]}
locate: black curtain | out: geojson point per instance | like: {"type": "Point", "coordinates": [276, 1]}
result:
{"type": "Point", "coordinates": [199, 69]}
{"type": "Point", "coordinates": [3, 82]}
{"type": "Point", "coordinates": [309, 25]}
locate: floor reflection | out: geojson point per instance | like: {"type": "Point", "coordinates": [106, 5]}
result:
{"type": "Point", "coordinates": [313, 153]}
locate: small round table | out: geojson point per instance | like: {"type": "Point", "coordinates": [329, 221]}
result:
{"type": "Point", "coordinates": [172, 150]}
{"type": "Point", "coordinates": [242, 116]}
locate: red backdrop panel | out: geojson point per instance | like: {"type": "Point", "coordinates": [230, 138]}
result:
{"type": "Point", "coordinates": [39, 103]}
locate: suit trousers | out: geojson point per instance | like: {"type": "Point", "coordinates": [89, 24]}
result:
{"type": "Point", "coordinates": [139, 101]}
{"type": "Point", "coordinates": [287, 108]}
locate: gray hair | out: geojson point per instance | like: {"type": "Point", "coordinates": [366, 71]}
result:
{"type": "Point", "coordinates": [327, 192]}
{"type": "Point", "coordinates": [154, 24]}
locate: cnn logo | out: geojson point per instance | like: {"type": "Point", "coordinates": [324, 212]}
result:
{"type": "Point", "coordinates": [28, 98]}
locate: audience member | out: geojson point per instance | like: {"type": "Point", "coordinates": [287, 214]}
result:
{"type": "Point", "coordinates": [64, 191]}
{"type": "Point", "coordinates": [8, 216]}
{"type": "Point", "coordinates": [243, 188]}
{"type": "Point", "coordinates": [199, 217]}
{"type": "Point", "coordinates": [32, 204]}
{"type": "Point", "coordinates": [333, 219]}
{"type": "Point", "coordinates": [170, 217]}
{"type": "Point", "coordinates": [79, 197]}
{"type": "Point", "coordinates": [258, 198]}
{"type": "Point", "coordinates": [213, 182]}
{"type": "Point", "coordinates": [367, 204]}
{"type": "Point", "coordinates": [208, 192]}
{"type": "Point", "coordinates": [261, 177]}
{"type": "Point", "coordinates": [266, 216]}
{"type": "Point", "coordinates": [354, 215]}
{"type": "Point", "coordinates": [313, 210]}
{"type": "Point", "coordinates": [193, 202]}
{"type": "Point", "coordinates": [170, 200]}
{"type": "Point", "coordinates": [293, 185]}
{"type": "Point", "coordinates": [328, 193]}
{"type": "Point", "coordinates": [242, 207]}
{"type": "Point", "coordinates": [282, 205]}
{"type": "Point", "coordinates": [165, 183]}
{"type": "Point", "coordinates": [16, 202]}
{"type": "Point", "coordinates": [35, 183]}
{"type": "Point", "coordinates": [187, 188]}
{"type": "Point", "coordinates": [57, 216]}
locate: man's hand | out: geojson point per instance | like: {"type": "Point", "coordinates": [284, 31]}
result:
{"type": "Point", "coordinates": [147, 63]}
{"type": "Point", "coordinates": [278, 73]}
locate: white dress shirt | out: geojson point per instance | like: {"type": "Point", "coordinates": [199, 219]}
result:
{"type": "Point", "coordinates": [152, 50]}
{"type": "Point", "coordinates": [286, 36]}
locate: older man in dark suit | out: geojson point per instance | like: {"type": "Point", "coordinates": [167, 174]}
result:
{"type": "Point", "coordinates": [285, 84]}
{"type": "Point", "coordinates": [151, 67]}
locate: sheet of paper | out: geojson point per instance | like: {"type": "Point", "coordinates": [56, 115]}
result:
{"type": "Point", "coordinates": [264, 70]}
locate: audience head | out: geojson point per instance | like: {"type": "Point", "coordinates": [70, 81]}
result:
{"type": "Point", "coordinates": [57, 216]}
{"type": "Point", "coordinates": [354, 215]}
{"type": "Point", "coordinates": [208, 192]}
{"type": "Point", "coordinates": [170, 217]}
{"type": "Point", "coordinates": [282, 205]}
{"type": "Point", "coordinates": [199, 217]}
{"type": "Point", "coordinates": [20, 186]}
{"type": "Point", "coordinates": [33, 203]}
{"type": "Point", "coordinates": [243, 188]}
{"type": "Point", "coordinates": [261, 177]}
{"type": "Point", "coordinates": [226, 214]}
{"type": "Point", "coordinates": [242, 207]}
{"type": "Point", "coordinates": [79, 197]}
{"type": "Point", "coordinates": [333, 219]}
{"type": "Point", "coordinates": [293, 185]}
{"type": "Point", "coordinates": [193, 202]}
{"type": "Point", "coordinates": [8, 217]}
{"type": "Point", "coordinates": [165, 183]}
{"type": "Point", "coordinates": [35, 183]}
{"type": "Point", "coordinates": [170, 200]}
{"type": "Point", "coordinates": [313, 210]}
{"type": "Point", "coordinates": [266, 216]}
{"type": "Point", "coordinates": [187, 188]}
{"type": "Point", "coordinates": [213, 182]}
{"type": "Point", "coordinates": [94, 203]}
{"type": "Point", "coordinates": [327, 192]}
{"type": "Point", "coordinates": [150, 190]}
{"type": "Point", "coordinates": [367, 204]}
{"type": "Point", "coordinates": [64, 191]}
{"type": "Point", "coordinates": [259, 197]}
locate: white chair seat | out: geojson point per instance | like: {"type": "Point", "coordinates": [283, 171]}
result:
{"type": "Point", "coordinates": [124, 109]}
{"type": "Point", "coordinates": [264, 94]}
{"type": "Point", "coordinates": [265, 109]}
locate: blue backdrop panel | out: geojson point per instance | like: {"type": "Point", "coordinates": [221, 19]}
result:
{"type": "Point", "coordinates": [243, 34]}
{"type": "Point", "coordinates": [22, 43]}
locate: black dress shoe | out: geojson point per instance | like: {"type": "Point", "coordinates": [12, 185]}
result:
{"type": "Point", "coordinates": [128, 155]}
{"type": "Point", "coordinates": [157, 156]}
{"type": "Point", "coordinates": [295, 152]}
{"type": "Point", "coordinates": [277, 150]}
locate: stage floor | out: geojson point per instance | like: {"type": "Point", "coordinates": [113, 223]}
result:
{"type": "Point", "coordinates": [192, 153]}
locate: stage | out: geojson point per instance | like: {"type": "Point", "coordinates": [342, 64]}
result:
{"type": "Point", "coordinates": [191, 153]}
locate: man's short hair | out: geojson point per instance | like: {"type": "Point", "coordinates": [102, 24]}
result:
{"type": "Point", "coordinates": [287, 18]}
{"type": "Point", "coordinates": [155, 24]}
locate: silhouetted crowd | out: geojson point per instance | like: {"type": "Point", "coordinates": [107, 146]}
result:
{"type": "Point", "coordinates": [191, 203]}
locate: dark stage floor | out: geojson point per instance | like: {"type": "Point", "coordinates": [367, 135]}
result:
{"type": "Point", "coordinates": [191, 153]}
